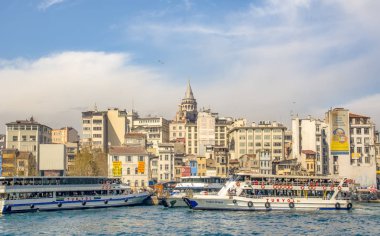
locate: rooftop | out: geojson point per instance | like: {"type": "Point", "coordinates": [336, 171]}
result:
{"type": "Point", "coordinates": [117, 150]}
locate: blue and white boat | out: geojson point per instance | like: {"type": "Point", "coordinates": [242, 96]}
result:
{"type": "Point", "coordinates": [250, 192]}
{"type": "Point", "coordinates": [205, 185]}
{"type": "Point", "coordinates": [25, 194]}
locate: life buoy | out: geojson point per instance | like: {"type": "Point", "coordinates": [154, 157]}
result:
{"type": "Point", "coordinates": [274, 186]}
{"type": "Point", "coordinates": [324, 187]}
{"type": "Point", "coordinates": [290, 187]}
{"type": "Point", "coordinates": [332, 187]}
{"type": "Point", "coordinates": [59, 204]}
{"type": "Point", "coordinates": [310, 187]}
{"type": "Point", "coordinates": [337, 205]}
{"type": "Point", "coordinates": [349, 206]}
{"type": "Point", "coordinates": [291, 205]}
{"type": "Point", "coordinates": [126, 200]}
{"type": "Point", "coordinates": [238, 184]}
{"type": "Point", "coordinates": [106, 202]}
{"type": "Point", "coordinates": [267, 205]}
{"type": "Point", "coordinates": [262, 186]}
{"type": "Point", "coordinates": [234, 201]}
{"type": "Point", "coordinates": [250, 204]}
{"type": "Point", "coordinates": [339, 188]}
{"type": "Point", "coordinates": [83, 203]}
{"type": "Point", "coordinates": [302, 187]}
{"type": "Point", "coordinates": [31, 206]}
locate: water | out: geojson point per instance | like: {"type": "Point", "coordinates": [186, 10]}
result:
{"type": "Point", "coordinates": [156, 220]}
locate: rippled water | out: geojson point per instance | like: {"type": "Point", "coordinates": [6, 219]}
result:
{"type": "Point", "coordinates": [156, 220]}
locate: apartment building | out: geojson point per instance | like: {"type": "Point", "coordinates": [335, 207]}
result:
{"type": "Point", "coordinates": [27, 135]}
{"type": "Point", "coordinates": [131, 163]}
{"type": "Point", "coordinates": [166, 157]}
{"type": "Point", "coordinates": [265, 137]}
{"type": "Point", "coordinates": [310, 145]}
{"type": "Point", "coordinates": [352, 146]}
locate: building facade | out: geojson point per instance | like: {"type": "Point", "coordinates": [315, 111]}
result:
{"type": "Point", "coordinates": [166, 157]}
{"type": "Point", "coordinates": [352, 146]}
{"type": "Point", "coordinates": [156, 130]}
{"type": "Point", "coordinates": [17, 163]}
{"type": "Point", "coordinates": [27, 135]}
{"type": "Point", "coordinates": [265, 137]}
{"type": "Point", "coordinates": [64, 135]}
{"type": "Point", "coordinates": [310, 135]}
{"type": "Point", "coordinates": [131, 163]}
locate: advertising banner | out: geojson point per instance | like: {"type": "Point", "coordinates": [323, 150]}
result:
{"type": "Point", "coordinates": [141, 167]}
{"type": "Point", "coordinates": [340, 132]}
{"type": "Point", "coordinates": [116, 168]}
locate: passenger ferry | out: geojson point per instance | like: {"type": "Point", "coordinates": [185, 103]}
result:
{"type": "Point", "coordinates": [206, 185]}
{"type": "Point", "coordinates": [246, 192]}
{"type": "Point", "coordinates": [24, 194]}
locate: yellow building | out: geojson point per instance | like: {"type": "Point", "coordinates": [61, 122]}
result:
{"type": "Point", "coordinates": [201, 161]}
{"type": "Point", "coordinates": [18, 163]}
{"type": "Point", "coordinates": [64, 135]}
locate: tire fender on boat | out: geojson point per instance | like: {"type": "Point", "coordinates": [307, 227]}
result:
{"type": "Point", "coordinates": [291, 205]}
{"type": "Point", "coordinates": [31, 206]}
{"type": "Point", "coordinates": [349, 206]}
{"type": "Point", "coordinates": [250, 204]}
{"type": "Point", "coordinates": [337, 205]}
{"type": "Point", "coordinates": [234, 201]}
{"type": "Point", "coordinates": [105, 201]}
{"type": "Point", "coordinates": [83, 203]}
{"type": "Point", "coordinates": [267, 205]}
{"type": "Point", "coordinates": [59, 204]}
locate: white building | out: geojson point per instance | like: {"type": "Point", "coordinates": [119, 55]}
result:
{"type": "Point", "coordinates": [165, 162]}
{"type": "Point", "coordinates": [309, 134]}
{"type": "Point", "coordinates": [131, 163]}
{"type": "Point", "coordinates": [263, 137]}
{"type": "Point", "coordinates": [103, 128]}
{"type": "Point", "coordinates": [27, 135]}
{"type": "Point", "coordinates": [352, 152]}
{"type": "Point", "coordinates": [265, 163]}
{"type": "Point", "coordinates": [156, 129]}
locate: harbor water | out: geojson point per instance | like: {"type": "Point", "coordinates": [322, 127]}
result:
{"type": "Point", "coordinates": [156, 220]}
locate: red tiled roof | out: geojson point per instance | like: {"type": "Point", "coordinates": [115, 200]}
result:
{"type": "Point", "coordinates": [127, 150]}
{"type": "Point", "coordinates": [135, 135]}
{"type": "Point", "coordinates": [308, 152]}
{"type": "Point", "coordinates": [352, 115]}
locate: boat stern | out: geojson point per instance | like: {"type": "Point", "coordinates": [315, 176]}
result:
{"type": "Point", "coordinates": [190, 203]}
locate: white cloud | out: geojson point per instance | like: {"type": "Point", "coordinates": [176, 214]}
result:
{"type": "Point", "coordinates": [45, 4]}
{"type": "Point", "coordinates": [56, 88]}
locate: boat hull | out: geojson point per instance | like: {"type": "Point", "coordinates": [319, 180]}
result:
{"type": "Point", "coordinates": [174, 201]}
{"type": "Point", "coordinates": [50, 204]}
{"type": "Point", "coordinates": [265, 204]}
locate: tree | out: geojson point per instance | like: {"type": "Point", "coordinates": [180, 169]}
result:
{"type": "Point", "coordinates": [90, 163]}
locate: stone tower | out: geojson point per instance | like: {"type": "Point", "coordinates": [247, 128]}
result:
{"type": "Point", "coordinates": [187, 110]}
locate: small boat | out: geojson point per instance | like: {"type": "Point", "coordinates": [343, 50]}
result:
{"type": "Point", "coordinates": [30, 194]}
{"type": "Point", "coordinates": [204, 185]}
{"type": "Point", "coordinates": [252, 192]}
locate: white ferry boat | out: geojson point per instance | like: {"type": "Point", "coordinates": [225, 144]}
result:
{"type": "Point", "coordinates": [247, 192]}
{"type": "Point", "coordinates": [205, 185]}
{"type": "Point", "coordinates": [24, 194]}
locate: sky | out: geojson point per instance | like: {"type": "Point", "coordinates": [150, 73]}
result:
{"type": "Point", "coordinates": [259, 60]}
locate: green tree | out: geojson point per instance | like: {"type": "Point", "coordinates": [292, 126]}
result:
{"type": "Point", "coordinates": [90, 163]}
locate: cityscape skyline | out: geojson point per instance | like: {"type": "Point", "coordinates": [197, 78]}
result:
{"type": "Point", "coordinates": [62, 57]}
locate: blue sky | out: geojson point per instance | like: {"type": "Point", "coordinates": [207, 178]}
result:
{"type": "Point", "coordinates": [261, 60]}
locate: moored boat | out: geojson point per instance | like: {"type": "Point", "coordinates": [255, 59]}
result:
{"type": "Point", "coordinates": [247, 192]}
{"type": "Point", "coordinates": [205, 185]}
{"type": "Point", "coordinates": [24, 194]}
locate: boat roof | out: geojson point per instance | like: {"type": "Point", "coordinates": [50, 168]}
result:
{"type": "Point", "coordinates": [287, 176]}
{"type": "Point", "coordinates": [57, 177]}
{"type": "Point", "coordinates": [200, 177]}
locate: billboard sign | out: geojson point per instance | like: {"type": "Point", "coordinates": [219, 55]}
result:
{"type": "Point", "coordinates": [340, 132]}
{"type": "Point", "coordinates": [141, 167]}
{"type": "Point", "coordinates": [116, 168]}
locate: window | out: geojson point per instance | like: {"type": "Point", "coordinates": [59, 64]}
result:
{"type": "Point", "coordinates": [166, 176]}
{"type": "Point", "coordinates": [358, 130]}
{"type": "Point", "coordinates": [166, 157]}
{"type": "Point", "coordinates": [141, 158]}
{"type": "Point", "coordinates": [97, 121]}
{"type": "Point", "coordinates": [258, 137]}
{"type": "Point", "coordinates": [266, 137]}
{"type": "Point", "coordinates": [160, 167]}
{"type": "Point", "coordinates": [23, 138]}
{"type": "Point", "coordinates": [97, 128]}
{"type": "Point", "coordinates": [358, 140]}
{"type": "Point", "coordinates": [128, 171]}
{"type": "Point", "coordinates": [86, 121]}
{"type": "Point", "coordinates": [142, 183]}
{"type": "Point", "coordinates": [129, 158]}
{"type": "Point", "coordinates": [136, 171]}
{"type": "Point", "coordinates": [166, 167]}
{"type": "Point", "coordinates": [366, 130]}
{"type": "Point", "coordinates": [366, 140]}
{"type": "Point", "coordinates": [359, 150]}
{"type": "Point", "coordinates": [115, 158]}
{"type": "Point", "coordinates": [97, 135]}
{"type": "Point", "coordinates": [258, 144]}
{"type": "Point", "coordinates": [366, 150]}
{"type": "Point", "coordinates": [14, 138]}
{"type": "Point", "coordinates": [136, 183]}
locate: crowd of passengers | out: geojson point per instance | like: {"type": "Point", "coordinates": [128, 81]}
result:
{"type": "Point", "coordinates": [299, 182]}
{"type": "Point", "coordinates": [54, 182]}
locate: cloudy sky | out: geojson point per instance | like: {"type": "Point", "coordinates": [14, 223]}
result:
{"type": "Point", "coordinates": [261, 60]}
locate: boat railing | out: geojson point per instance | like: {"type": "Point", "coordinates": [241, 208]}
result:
{"type": "Point", "coordinates": [305, 184]}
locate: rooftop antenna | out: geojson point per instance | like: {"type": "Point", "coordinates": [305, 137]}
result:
{"type": "Point", "coordinates": [95, 107]}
